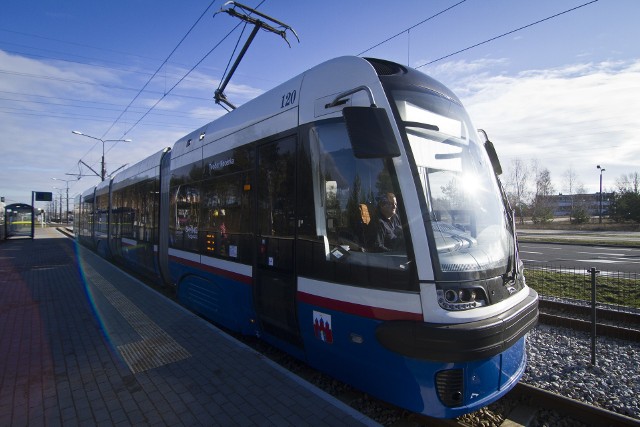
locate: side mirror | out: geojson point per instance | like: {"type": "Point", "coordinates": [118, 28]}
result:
{"type": "Point", "coordinates": [370, 132]}
{"type": "Point", "coordinates": [491, 152]}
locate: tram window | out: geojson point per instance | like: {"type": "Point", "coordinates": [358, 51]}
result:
{"type": "Point", "coordinates": [85, 224]}
{"type": "Point", "coordinates": [123, 212]}
{"type": "Point", "coordinates": [147, 198]}
{"type": "Point", "coordinates": [225, 217]}
{"type": "Point", "coordinates": [348, 207]}
{"type": "Point", "coordinates": [185, 209]}
{"type": "Point", "coordinates": [135, 211]}
{"type": "Point", "coordinates": [276, 195]}
{"type": "Point", "coordinates": [102, 214]}
{"type": "Point", "coordinates": [226, 221]}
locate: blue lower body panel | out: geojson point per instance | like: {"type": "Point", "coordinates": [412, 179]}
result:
{"type": "Point", "coordinates": [345, 346]}
{"type": "Point", "coordinates": [224, 301]}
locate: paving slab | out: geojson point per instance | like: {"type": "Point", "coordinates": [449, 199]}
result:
{"type": "Point", "coordinates": [84, 343]}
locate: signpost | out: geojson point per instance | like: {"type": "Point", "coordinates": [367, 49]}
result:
{"type": "Point", "coordinates": [38, 196]}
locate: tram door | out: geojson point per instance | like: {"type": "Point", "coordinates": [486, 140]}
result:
{"type": "Point", "coordinates": [275, 287]}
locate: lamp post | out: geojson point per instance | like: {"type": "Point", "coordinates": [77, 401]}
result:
{"type": "Point", "coordinates": [601, 170]}
{"type": "Point", "coordinates": [66, 181]}
{"type": "Point", "coordinates": [103, 171]}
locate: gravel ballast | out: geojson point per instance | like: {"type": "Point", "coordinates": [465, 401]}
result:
{"type": "Point", "coordinates": [560, 362]}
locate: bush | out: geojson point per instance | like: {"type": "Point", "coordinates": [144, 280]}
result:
{"type": "Point", "coordinates": [542, 217]}
{"type": "Point", "coordinates": [579, 216]}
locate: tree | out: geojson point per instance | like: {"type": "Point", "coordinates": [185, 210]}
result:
{"type": "Point", "coordinates": [579, 211]}
{"type": "Point", "coordinates": [569, 185]}
{"type": "Point", "coordinates": [516, 185]}
{"type": "Point", "coordinates": [626, 201]}
{"type": "Point", "coordinates": [542, 209]}
{"type": "Point", "coordinates": [629, 183]}
{"type": "Point", "coordinates": [580, 214]}
{"type": "Point", "coordinates": [626, 207]}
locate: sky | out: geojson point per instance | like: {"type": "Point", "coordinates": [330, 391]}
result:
{"type": "Point", "coordinates": [563, 91]}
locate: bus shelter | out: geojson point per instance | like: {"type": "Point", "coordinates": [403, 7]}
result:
{"type": "Point", "coordinates": [18, 220]}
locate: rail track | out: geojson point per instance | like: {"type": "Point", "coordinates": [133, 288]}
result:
{"type": "Point", "coordinates": [530, 407]}
{"type": "Point", "coordinates": [612, 323]}
{"type": "Point", "coordinates": [537, 402]}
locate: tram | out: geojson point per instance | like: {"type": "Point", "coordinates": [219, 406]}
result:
{"type": "Point", "coordinates": [352, 217]}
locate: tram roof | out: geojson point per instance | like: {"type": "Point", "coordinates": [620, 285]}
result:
{"type": "Point", "coordinates": [324, 80]}
{"type": "Point", "coordinates": [141, 167]}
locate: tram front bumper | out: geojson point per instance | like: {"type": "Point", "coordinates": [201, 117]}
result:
{"type": "Point", "coordinates": [462, 342]}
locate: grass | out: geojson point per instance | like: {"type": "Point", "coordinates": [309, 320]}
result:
{"type": "Point", "coordinates": [598, 233]}
{"type": "Point", "coordinates": [563, 223]}
{"type": "Point", "coordinates": [572, 241]}
{"type": "Point", "coordinates": [621, 290]}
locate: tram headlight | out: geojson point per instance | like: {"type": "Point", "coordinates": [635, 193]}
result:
{"type": "Point", "coordinates": [450, 296]}
{"type": "Point", "coordinates": [460, 298]}
{"type": "Point", "coordinates": [467, 295]}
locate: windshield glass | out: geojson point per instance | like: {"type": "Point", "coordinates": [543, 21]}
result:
{"type": "Point", "coordinates": [466, 214]}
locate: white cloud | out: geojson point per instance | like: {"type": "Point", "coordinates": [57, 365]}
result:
{"type": "Point", "coordinates": [579, 115]}
{"type": "Point", "coordinates": [42, 101]}
{"type": "Point", "coordinates": [463, 69]}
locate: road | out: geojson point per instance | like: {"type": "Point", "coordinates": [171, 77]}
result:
{"type": "Point", "coordinates": [623, 259]}
{"type": "Point", "coordinates": [591, 237]}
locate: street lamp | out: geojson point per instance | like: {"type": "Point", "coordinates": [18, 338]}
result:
{"type": "Point", "coordinates": [59, 205]}
{"type": "Point", "coordinates": [66, 181]}
{"type": "Point", "coordinates": [601, 170]}
{"type": "Point", "coordinates": [103, 171]}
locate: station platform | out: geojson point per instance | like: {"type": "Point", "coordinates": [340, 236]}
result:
{"type": "Point", "coordinates": [83, 343]}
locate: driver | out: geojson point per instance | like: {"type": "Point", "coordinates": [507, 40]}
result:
{"type": "Point", "coordinates": [389, 234]}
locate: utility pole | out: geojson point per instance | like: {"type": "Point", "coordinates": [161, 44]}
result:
{"type": "Point", "coordinates": [66, 181]}
{"type": "Point", "coordinates": [103, 170]}
{"type": "Point", "coordinates": [600, 209]}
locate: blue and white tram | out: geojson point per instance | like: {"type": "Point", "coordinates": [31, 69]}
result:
{"type": "Point", "coordinates": [352, 217]}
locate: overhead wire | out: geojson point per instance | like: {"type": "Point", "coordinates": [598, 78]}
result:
{"type": "Point", "coordinates": [407, 30]}
{"type": "Point", "coordinates": [155, 73]}
{"type": "Point", "coordinates": [75, 115]}
{"type": "Point", "coordinates": [506, 34]}
{"type": "Point", "coordinates": [411, 27]}
{"type": "Point", "coordinates": [88, 58]}
{"type": "Point", "coordinates": [64, 80]}
{"type": "Point", "coordinates": [104, 107]}
{"type": "Point", "coordinates": [75, 43]}
{"type": "Point", "coordinates": [88, 64]}
{"type": "Point", "coordinates": [140, 91]}
{"type": "Point", "coordinates": [159, 68]}
{"type": "Point", "coordinates": [181, 79]}
{"type": "Point", "coordinates": [188, 72]}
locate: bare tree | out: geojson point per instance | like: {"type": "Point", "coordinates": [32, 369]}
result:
{"type": "Point", "coordinates": [572, 186]}
{"type": "Point", "coordinates": [542, 209]}
{"type": "Point", "coordinates": [516, 185]}
{"type": "Point", "coordinates": [570, 180]}
{"type": "Point", "coordinates": [629, 183]}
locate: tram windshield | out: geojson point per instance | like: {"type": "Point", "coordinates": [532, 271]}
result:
{"type": "Point", "coordinates": [466, 214]}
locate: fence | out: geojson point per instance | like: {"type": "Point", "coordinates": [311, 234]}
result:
{"type": "Point", "coordinates": [601, 303]}
{"type": "Point", "coordinates": [614, 290]}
